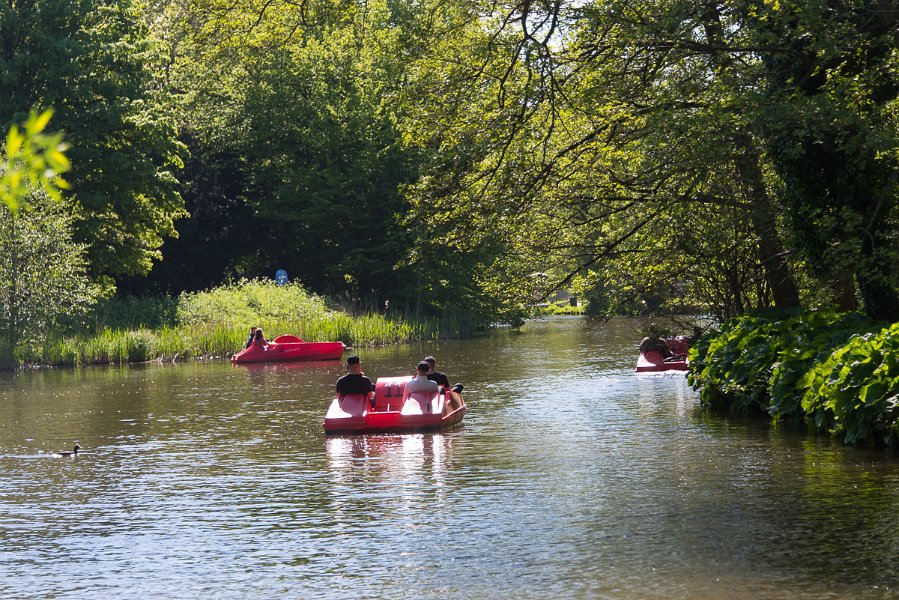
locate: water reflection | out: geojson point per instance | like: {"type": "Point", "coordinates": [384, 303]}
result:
{"type": "Point", "coordinates": [412, 466]}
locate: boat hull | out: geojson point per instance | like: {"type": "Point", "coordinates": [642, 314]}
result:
{"type": "Point", "coordinates": [394, 410]}
{"type": "Point", "coordinates": [653, 361]}
{"type": "Point", "coordinates": [290, 351]}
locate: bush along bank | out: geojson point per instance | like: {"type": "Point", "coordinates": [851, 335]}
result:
{"type": "Point", "coordinates": [833, 373]}
{"type": "Point", "coordinates": [215, 323]}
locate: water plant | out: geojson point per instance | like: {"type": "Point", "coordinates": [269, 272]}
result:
{"type": "Point", "coordinates": [833, 372]}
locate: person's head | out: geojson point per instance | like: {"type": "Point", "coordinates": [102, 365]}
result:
{"type": "Point", "coordinates": [253, 330]}
{"type": "Point", "coordinates": [423, 368]}
{"type": "Point", "coordinates": [353, 365]}
{"type": "Point", "coordinates": [432, 362]}
{"type": "Point", "coordinates": [259, 335]}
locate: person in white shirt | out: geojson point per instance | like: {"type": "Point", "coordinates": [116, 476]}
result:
{"type": "Point", "coordinates": [421, 383]}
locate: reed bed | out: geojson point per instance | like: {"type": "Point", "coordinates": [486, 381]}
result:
{"type": "Point", "coordinates": [215, 324]}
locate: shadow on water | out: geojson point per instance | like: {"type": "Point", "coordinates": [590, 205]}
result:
{"type": "Point", "coordinates": [571, 476]}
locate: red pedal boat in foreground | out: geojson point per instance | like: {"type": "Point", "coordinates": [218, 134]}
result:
{"type": "Point", "coordinates": [652, 360]}
{"type": "Point", "coordinates": [394, 409]}
{"type": "Point", "coordinates": [290, 347]}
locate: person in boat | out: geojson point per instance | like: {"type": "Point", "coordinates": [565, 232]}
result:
{"type": "Point", "coordinates": [438, 377]}
{"type": "Point", "coordinates": [355, 381]}
{"type": "Point", "coordinates": [697, 333]}
{"type": "Point", "coordinates": [653, 342]}
{"type": "Point", "coordinates": [251, 338]}
{"type": "Point", "coordinates": [433, 374]}
{"type": "Point", "coordinates": [421, 383]}
{"type": "Point", "coordinates": [259, 338]}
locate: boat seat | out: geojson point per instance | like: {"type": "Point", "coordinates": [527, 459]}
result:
{"type": "Point", "coordinates": [389, 393]}
{"type": "Point", "coordinates": [421, 403]}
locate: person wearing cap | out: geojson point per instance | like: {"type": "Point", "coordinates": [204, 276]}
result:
{"type": "Point", "coordinates": [354, 382]}
{"type": "Point", "coordinates": [436, 376]}
{"type": "Point", "coordinates": [440, 378]}
{"type": "Point", "coordinates": [421, 383]}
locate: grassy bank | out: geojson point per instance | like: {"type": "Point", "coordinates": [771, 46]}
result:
{"type": "Point", "coordinates": [215, 323]}
{"type": "Point", "coordinates": [830, 373]}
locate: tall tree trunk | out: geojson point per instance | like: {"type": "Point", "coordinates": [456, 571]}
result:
{"type": "Point", "coordinates": [844, 292]}
{"type": "Point", "coordinates": [763, 217]}
{"type": "Point", "coordinates": [747, 159]}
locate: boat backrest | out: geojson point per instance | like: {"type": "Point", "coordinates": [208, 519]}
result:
{"type": "Point", "coordinates": [348, 405]}
{"type": "Point", "coordinates": [653, 357]}
{"type": "Point", "coordinates": [389, 392]}
{"type": "Point", "coordinates": [421, 402]}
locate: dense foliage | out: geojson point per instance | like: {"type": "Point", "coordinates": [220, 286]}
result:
{"type": "Point", "coordinates": [44, 285]}
{"type": "Point", "coordinates": [96, 64]}
{"type": "Point", "coordinates": [472, 157]}
{"type": "Point", "coordinates": [215, 323]}
{"type": "Point", "coordinates": [823, 370]}
{"type": "Point", "coordinates": [43, 272]}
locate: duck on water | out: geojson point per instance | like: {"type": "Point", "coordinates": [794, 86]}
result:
{"type": "Point", "coordinates": [67, 454]}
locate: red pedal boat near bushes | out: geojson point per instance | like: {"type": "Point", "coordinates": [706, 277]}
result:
{"type": "Point", "coordinates": [394, 409]}
{"type": "Point", "coordinates": [289, 347]}
{"type": "Point", "coordinates": [652, 360]}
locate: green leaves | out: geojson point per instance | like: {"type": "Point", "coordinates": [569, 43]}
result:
{"type": "Point", "coordinates": [94, 62]}
{"type": "Point", "coordinates": [818, 368]}
{"type": "Point", "coordinates": [43, 275]}
{"type": "Point", "coordinates": [32, 160]}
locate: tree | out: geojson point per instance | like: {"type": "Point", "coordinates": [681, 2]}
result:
{"type": "Point", "coordinates": [291, 108]}
{"type": "Point", "coordinates": [569, 130]}
{"type": "Point", "coordinates": [94, 61]}
{"type": "Point", "coordinates": [43, 272]}
{"type": "Point", "coordinates": [829, 116]}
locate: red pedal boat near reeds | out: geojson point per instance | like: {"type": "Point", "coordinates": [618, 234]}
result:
{"type": "Point", "coordinates": [289, 348]}
{"type": "Point", "coordinates": [394, 409]}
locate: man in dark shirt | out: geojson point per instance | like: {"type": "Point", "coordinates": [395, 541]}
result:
{"type": "Point", "coordinates": [354, 382]}
{"type": "Point", "coordinates": [436, 376]}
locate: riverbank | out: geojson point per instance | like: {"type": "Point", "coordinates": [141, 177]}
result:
{"type": "Point", "coordinates": [828, 372]}
{"type": "Point", "coordinates": [215, 323]}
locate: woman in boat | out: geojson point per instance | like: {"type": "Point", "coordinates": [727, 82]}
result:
{"type": "Point", "coordinates": [259, 339]}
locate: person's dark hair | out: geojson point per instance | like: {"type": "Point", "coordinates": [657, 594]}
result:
{"type": "Point", "coordinates": [259, 335]}
{"type": "Point", "coordinates": [352, 360]}
{"type": "Point", "coordinates": [423, 366]}
{"type": "Point", "coordinates": [430, 360]}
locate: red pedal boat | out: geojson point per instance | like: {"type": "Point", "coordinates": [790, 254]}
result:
{"type": "Point", "coordinates": [652, 360]}
{"type": "Point", "coordinates": [394, 409]}
{"type": "Point", "coordinates": [289, 347]}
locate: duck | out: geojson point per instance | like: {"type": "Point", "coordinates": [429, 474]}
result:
{"type": "Point", "coordinates": [66, 454]}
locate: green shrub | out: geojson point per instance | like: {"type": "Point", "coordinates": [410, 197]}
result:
{"type": "Point", "coordinates": [816, 368]}
{"type": "Point", "coordinates": [216, 322]}
{"type": "Point", "coordinates": [855, 391]}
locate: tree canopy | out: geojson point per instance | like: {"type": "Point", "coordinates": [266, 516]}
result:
{"type": "Point", "coordinates": [474, 156]}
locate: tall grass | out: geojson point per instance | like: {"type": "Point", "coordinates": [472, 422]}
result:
{"type": "Point", "coordinates": [215, 323]}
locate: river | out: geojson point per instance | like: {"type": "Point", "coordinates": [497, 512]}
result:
{"type": "Point", "coordinates": [571, 476]}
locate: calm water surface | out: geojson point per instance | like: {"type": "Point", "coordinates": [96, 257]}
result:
{"type": "Point", "coordinates": [571, 476]}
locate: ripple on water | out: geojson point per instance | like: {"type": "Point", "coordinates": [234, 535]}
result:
{"type": "Point", "coordinates": [571, 477]}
